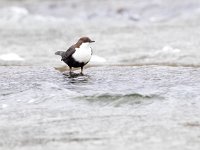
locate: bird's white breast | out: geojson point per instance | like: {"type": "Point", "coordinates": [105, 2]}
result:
{"type": "Point", "coordinates": [83, 53]}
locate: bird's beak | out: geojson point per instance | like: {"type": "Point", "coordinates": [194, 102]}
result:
{"type": "Point", "coordinates": [92, 41]}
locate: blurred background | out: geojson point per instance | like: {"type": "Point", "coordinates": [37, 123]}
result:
{"type": "Point", "coordinates": [134, 32]}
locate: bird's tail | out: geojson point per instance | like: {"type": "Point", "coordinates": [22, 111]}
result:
{"type": "Point", "coordinates": [59, 53]}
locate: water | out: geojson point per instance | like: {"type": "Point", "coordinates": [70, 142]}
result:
{"type": "Point", "coordinates": [133, 107]}
{"type": "Point", "coordinates": [141, 89]}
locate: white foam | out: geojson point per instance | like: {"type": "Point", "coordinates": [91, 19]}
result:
{"type": "Point", "coordinates": [97, 59]}
{"type": "Point", "coordinates": [170, 49]}
{"type": "Point", "coordinates": [18, 10]}
{"type": "Point", "coordinates": [4, 105]}
{"type": "Point", "coordinates": [166, 51]}
{"type": "Point", "coordinates": [13, 13]}
{"type": "Point", "coordinates": [20, 15]}
{"type": "Point", "coordinates": [11, 57]}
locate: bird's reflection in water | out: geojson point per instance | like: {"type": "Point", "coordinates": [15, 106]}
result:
{"type": "Point", "coordinates": [76, 78]}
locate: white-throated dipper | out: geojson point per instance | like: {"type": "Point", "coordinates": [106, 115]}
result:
{"type": "Point", "coordinates": [78, 55]}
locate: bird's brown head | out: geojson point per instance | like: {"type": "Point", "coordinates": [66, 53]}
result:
{"type": "Point", "coordinates": [85, 40]}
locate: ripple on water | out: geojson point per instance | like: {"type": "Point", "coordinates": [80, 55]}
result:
{"type": "Point", "coordinates": [117, 100]}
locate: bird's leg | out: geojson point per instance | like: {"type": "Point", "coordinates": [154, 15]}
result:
{"type": "Point", "coordinates": [81, 70]}
{"type": "Point", "coordinates": [70, 70]}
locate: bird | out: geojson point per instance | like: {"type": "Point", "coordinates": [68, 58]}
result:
{"type": "Point", "coordinates": [77, 55]}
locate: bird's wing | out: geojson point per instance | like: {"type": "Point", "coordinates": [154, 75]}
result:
{"type": "Point", "coordinates": [69, 52]}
